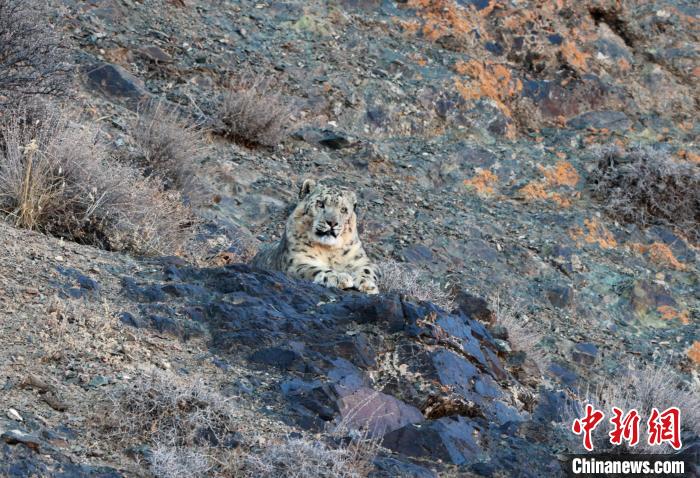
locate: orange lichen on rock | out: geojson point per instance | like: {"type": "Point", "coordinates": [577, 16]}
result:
{"type": "Point", "coordinates": [442, 18]}
{"type": "Point", "coordinates": [659, 253]}
{"type": "Point", "coordinates": [562, 174]}
{"type": "Point", "coordinates": [483, 182]}
{"type": "Point", "coordinates": [560, 199]}
{"type": "Point", "coordinates": [694, 353]}
{"type": "Point", "coordinates": [689, 156]}
{"type": "Point", "coordinates": [670, 313]}
{"type": "Point", "coordinates": [595, 233]}
{"type": "Point", "coordinates": [533, 191]}
{"type": "Point", "coordinates": [409, 26]}
{"type": "Point", "coordinates": [488, 80]}
{"type": "Point", "coordinates": [573, 56]}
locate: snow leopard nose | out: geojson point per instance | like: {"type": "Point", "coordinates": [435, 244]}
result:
{"type": "Point", "coordinates": [332, 223]}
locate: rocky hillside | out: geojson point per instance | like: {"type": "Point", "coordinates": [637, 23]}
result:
{"type": "Point", "coordinates": [531, 167]}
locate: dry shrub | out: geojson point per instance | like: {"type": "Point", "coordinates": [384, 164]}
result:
{"type": "Point", "coordinates": [172, 411]}
{"type": "Point", "coordinates": [646, 186]}
{"type": "Point", "coordinates": [33, 60]}
{"type": "Point", "coordinates": [254, 113]}
{"type": "Point", "coordinates": [643, 389]}
{"type": "Point", "coordinates": [302, 458]}
{"type": "Point", "coordinates": [170, 146]}
{"type": "Point", "coordinates": [190, 427]}
{"type": "Point", "coordinates": [55, 177]}
{"type": "Point", "coordinates": [179, 462]}
{"type": "Point", "coordinates": [512, 317]}
{"type": "Point", "coordinates": [397, 277]}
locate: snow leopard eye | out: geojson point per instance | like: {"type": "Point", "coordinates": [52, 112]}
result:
{"type": "Point", "coordinates": [344, 210]}
{"type": "Point", "coordinates": [320, 204]}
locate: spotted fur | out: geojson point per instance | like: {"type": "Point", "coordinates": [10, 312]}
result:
{"type": "Point", "coordinates": [320, 241]}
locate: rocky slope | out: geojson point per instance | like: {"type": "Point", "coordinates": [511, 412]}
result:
{"type": "Point", "coordinates": [468, 129]}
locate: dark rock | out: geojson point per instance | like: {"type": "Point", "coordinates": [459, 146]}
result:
{"type": "Point", "coordinates": [376, 412]}
{"type": "Point", "coordinates": [563, 374]}
{"type": "Point", "coordinates": [447, 439]}
{"type": "Point", "coordinates": [612, 120]}
{"type": "Point", "coordinates": [552, 406]}
{"type": "Point", "coordinates": [128, 319]}
{"type": "Point", "coordinates": [334, 140]}
{"type": "Point", "coordinates": [75, 293]}
{"type": "Point", "coordinates": [335, 358]}
{"type": "Point", "coordinates": [148, 293]}
{"type": "Point", "coordinates": [387, 467]}
{"type": "Point", "coordinates": [13, 437]}
{"type": "Point", "coordinates": [184, 290]}
{"type": "Point", "coordinates": [495, 48]}
{"type": "Point", "coordinates": [115, 83]}
{"type": "Point", "coordinates": [22, 461]}
{"type": "Point", "coordinates": [560, 297]}
{"type": "Point", "coordinates": [473, 306]}
{"type": "Point", "coordinates": [275, 356]}
{"type": "Point", "coordinates": [585, 353]}
{"type": "Point", "coordinates": [155, 54]}
{"type": "Point", "coordinates": [87, 283]}
{"type": "Point", "coordinates": [377, 116]}
{"type": "Point", "coordinates": [416, 254]}
{"type": "Point", "coordinates": [313, 400]}
{"type": "Point", "coordinates": [555, 39]}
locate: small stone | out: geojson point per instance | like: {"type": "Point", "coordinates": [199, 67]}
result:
{"type": "Point", "coordinates": [98, 381]}
{"type": "Point", "coordinates": [155, 54]}
{"type": "Point", "coordinates": [59, 258]}
{"type": "Point", "coordinates": [55, 403]}
{"type": "Point", "coordinates": [334, 140]}
{"type": "Point", "coordinates": [13, 414]}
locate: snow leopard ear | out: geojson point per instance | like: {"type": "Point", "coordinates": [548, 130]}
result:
{"type": "Point", "coordinates": [353, 200]}
{"type": "Point", "coordinates": [306, 188]}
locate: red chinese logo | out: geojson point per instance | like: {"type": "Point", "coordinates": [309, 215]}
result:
{"type": "Point", "coordinates": [626, 428]}
{"type": "Point", "coordinates": [665, 427]}
{"type": "Point", "coordinates": [662, 427]}
{"type": "Point", "coordinates": [587, 424]}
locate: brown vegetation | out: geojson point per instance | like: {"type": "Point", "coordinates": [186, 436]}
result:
{"type": "Point", "coordinates": [254, 113]}
{"type": "Point", "coordinates": [170, 146]}
{"type": "Point", "coordinates": [55, 177]}
{"type": "Point", "coordinates": [33, 59]}
{"type": "Point", "coordinates": [647, 186]}
{"type": "Point", "coordinates": [401, 278]}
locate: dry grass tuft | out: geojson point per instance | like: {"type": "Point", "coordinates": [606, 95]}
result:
{"type": "Point", "coordinates": [643, 389]}
{"type": "Point", "coordinates": [190, 429]}
{"type": "Point", "coordinates": [170, 146]}
{"type": "Point", "coordinates": [179, 462]}
{"type": "Point", "coordinates": [33, 59]}
{"type": "Point", "coordinates": [397, 277]}
{"type": "Point", "coordinates": [512, 317]}
{"type": "Point", "coordinates": [302, 458]}
{"type": "Point", "coordinates": [172, 411]}
{"type": "Point", "coordinates": [254, 113]}
{"type": "Point", "coordinates": [647, 186]}
{"type": "Point", "coordinates": [55, 177]}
